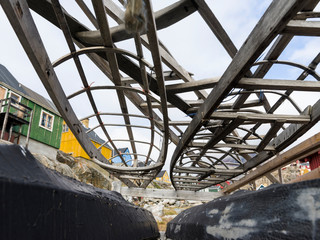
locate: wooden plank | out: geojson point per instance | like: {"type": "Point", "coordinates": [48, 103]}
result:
{"type": "Point", "coordinates": [271, 178]}
{"type": "Point", "coordinates": [248, 83]}
{"type": "Point", "coordinates": [302, 150]}
{"type": "Point", "coordinates": [272, 132]}
{"type": "Point", "coordinates": [212, 170]}
{"type": "Point", "coordinates": [219, 134]}
{"type": "Point", "coordinates": [262, 117]}
{"type": "Point", "coordinates": [305, 15]}
{"type": "Point", "coordinates": [169, 194]}
{"type": "Point", "coordinates": [216, 27]}
{"type": "Point", "coordinates": [303, 28]}
{"type": "Point", "coordinates": [211, 179]}
{"type": "Point", "coordinates": [230, 145]}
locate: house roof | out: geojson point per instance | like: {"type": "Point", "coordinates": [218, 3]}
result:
{"type": "Point", "coordinates": [9, 81]}
{"type": "Point", "coordinates": [160, 174]}
{"type": "Point", "coordinates": [94, 137]}
{"type": "Point", "coordinates": [122, 150]}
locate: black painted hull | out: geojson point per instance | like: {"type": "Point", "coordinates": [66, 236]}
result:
{"type": "Point", "coordinates": [289, 211]}
{"type": "Point", "coordinates": [38, 203]}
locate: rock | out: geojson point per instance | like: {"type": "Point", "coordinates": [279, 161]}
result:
{"type": "Point", "coordinates": [89, 172]}
{"type": "Point", "coordinates": [66, 170]}
{"type": "Point", "coordinates": [55, 165]}
{"type": "Point", "coordinates": [158, 219]}
{"type": "Point", "coordinates": [65, 158]}
{"type": "Point", "coordinates": [165, 202]}
{"type": "Point", "coordinates": [172, 202]}
{"type": "Point", "coordinates": [157, 210]}
{"type": "Point", "coordinates": [194, 203]}
{"type": "Point", "coordinates": [49, 163]}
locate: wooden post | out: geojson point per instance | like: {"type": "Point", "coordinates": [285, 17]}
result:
{"type": "Point", "coordinates": [10, 133]}
{"type": "Point", "coordinates": [29, 129]}
{"type": "Point", "coordinates": [280, 175]}
{"type": "Point", "coordinates": [5, 121]}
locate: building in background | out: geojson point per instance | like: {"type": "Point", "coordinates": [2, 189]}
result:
{"type": "Point", "coordinates": [69, 143]}
{"type": "Point", "coordinates": [125, 153]}
{"type": "Point", "coordinates": [28, 110]}
{"type": "Point", "coordinates": [163, 176]}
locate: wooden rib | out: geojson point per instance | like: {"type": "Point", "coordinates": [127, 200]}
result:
{"type": "Point", "coordinates": [216, 27]}
{"type": "Point", "coordinates": [270, 134]}
{"type": "Point", "coordinates": [303, 28]}
{"type": "Point", "coordinates": [248, 83]}
{"type": "Point", "coordinates": [261, 117]}
{"type": "Point", "coordinates": [107, 42]}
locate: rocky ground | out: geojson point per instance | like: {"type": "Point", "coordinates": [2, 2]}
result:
{"type": "Point", "coordinates": [78, 168]}
{"type": "Point", "coordinates": [164, 210]}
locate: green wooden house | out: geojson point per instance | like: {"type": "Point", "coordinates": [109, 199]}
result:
{"type": "Point", "coordinates": [28, 109]}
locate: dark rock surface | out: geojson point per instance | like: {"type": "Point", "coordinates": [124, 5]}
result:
{"type": "Point", "coordinates": [39, 203]}
{"type": "Point", "coordinates": [289, 211]}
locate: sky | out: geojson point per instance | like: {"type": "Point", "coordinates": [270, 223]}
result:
{"type": "Point", "coordinates": [190, 41]}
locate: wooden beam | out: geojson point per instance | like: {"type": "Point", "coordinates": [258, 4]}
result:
{"type": "Point", "coordinates": [230, 145]}
{"type": "Point", "coordinates": [302, 150]}
{"type": "Point", "coordinates": [270, 134]}
{"type": "Point", "coordinates": [271, 178]}
{"type": "Point", "coordinates": [169, 194]}
{"type": "Point", "coordinates": [248, 83]}
{"type": "Point", "coordinates": [213, 170]}
{"type": "Point", "coordinates": [303, 28]}
{"type": "Point", "coordinates": [216, 27]}
{"type": "Point", "coordinates": [261, 117]}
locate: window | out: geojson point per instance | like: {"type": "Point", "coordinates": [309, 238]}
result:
{"type": "Point", "coordinates": [65, 128]}
{"type": "Point", "coordinates": [3, 92]}
{"type": "Point", "coordinates": [15, 97]}
{"type": "Point", "coordinates": [46, 120]}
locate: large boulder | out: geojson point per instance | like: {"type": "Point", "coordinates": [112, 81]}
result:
{"type": "Point", "coordinates": [55, 165]}
{"type": "Point", "coordinates": [89, 172]}
{"type": "Point", "coordinates": [65, 158]}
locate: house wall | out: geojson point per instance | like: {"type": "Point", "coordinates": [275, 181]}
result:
{"type": "Point", "coordinates": [39, 148]}
{"type": "Point", "coordinates": [69, 144]}
{"type": "Point", "coordinates": [126, 157]}
{"type": "Point", "coordinates": [164, 178]}
{"type": "Point", "coordinates": [51, 138]}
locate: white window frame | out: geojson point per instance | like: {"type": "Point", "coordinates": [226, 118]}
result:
{"type": "Point", "coordinates": [49, 114]}
{"type": "Point", "coordinates": [19, 97]}
{"type": "Point", "coordinates": [5, 95]}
